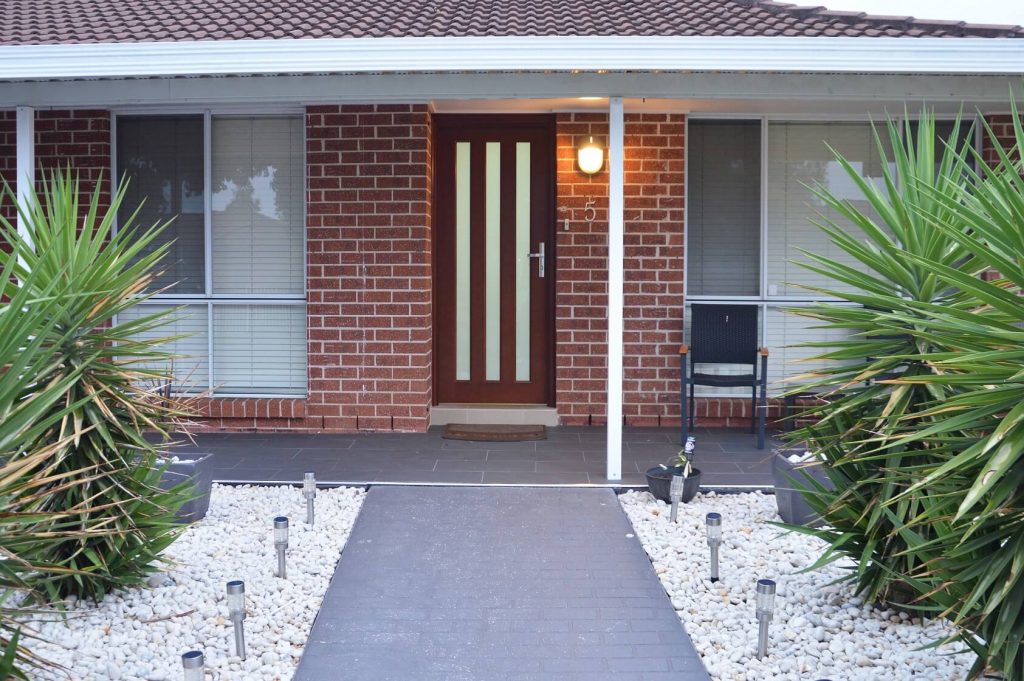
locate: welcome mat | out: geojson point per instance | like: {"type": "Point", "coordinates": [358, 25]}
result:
{"type": "Point", "coordinates": [494, 433]}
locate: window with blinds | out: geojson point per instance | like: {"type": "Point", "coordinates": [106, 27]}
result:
{"type": "Point", "coordinates": [724, 214]}
{"type": "Point", "coordinates": [237, 264]}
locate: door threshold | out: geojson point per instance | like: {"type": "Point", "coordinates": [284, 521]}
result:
{"type": "Point", "coordinates": [495, 414]}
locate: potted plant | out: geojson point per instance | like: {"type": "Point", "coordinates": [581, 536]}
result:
{"type": "Point", "coordinates": [796, 472]}
{"type": "Point", "coordinates": [659, 478]}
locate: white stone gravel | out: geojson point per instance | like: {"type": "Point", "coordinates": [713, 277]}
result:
{"type": "Point", "coordinates": [141, 633]}
{"type": "Point", "coordinates": [820, 630]}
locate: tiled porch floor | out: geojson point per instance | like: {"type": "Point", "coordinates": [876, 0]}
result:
{"type": "Point", "coordinates": [570, 456]}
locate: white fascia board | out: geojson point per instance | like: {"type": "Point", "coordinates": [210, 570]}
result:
{"type": "Point", "coordinates": [530, 53]}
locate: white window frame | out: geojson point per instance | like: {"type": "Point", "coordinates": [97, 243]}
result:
{"type": "Point", "coordinates": [208, 297]}
{"type": "Point", "coordinates": [763, 300]}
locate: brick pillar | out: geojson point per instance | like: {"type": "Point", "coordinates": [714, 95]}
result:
{"type": "Point", "coordinates": [654, 205]}
{"type": "Point", "coordinates": [79, 139]}
{"type": "Point", "coordinates": [1002, 126]}
{"type": "Point", "coordinates": [8, 160]}
{"type": "Point", "coordinates": [369, 266]}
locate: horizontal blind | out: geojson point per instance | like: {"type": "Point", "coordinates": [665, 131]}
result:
{"type": "Point", "coordinates": [161, 158]}
{"type": "Point", "coordinates": [783, 331]}
{"type": "Point", "coordinates": [259, 349]}
{"type": "Point", "coordinates": [190, 366]}
{"type": "Point", "coordinates": [724, 214]}
{"type": "Point", "coordinates": [258, 211]}
{"type": "Point", "coordinates": [798, 157]}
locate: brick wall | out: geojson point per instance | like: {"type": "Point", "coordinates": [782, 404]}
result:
{"type": "Point", "coordinates": [654, 204]}
{"type": "Point", "coordinates": [79, 139]}
{"type": "Point", "coordinates": [369, 266]}
{"type": "Point", "coordinates": [8, 159]}
{"type": "Point", "coordinates": [1002, 126]}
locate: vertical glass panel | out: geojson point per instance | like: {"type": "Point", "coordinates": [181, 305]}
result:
{"type": "Point", "coordinates": [259, 349]}
{"type": "Point", "coordinates": [462, 281]}
{"type": "Point", "coordinates": [258, 217]}
{"type": "Point", "coordinates": [522, 261]}
{"type": "Point", "coordinates": [799, 157]}
{"type": "Point", "coordinates": [724, 216]}
{"type": "Point", "coordinates": [492, 317]}
{"type": "Point", "coordinates": [190, 367]}
{"type": "Point", "coordinates": [161, 157]}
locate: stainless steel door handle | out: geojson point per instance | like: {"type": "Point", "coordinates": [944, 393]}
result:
{"type": "Point", "coordinates": [539, 254]}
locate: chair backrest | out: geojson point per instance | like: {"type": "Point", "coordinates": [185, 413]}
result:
{"type": "Point", "coordinates": [723, 334]}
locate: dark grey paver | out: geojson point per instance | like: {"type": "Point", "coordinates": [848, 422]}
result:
{"type": "Point", "coordinates": [499, 584]}
{"type": "Point", "coordinates": [570, 456]}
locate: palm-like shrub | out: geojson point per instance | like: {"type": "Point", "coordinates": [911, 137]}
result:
{"type": "Point", "coordinates": [924, 428]}
{"type": "Point", "coordinates": [101, 474]}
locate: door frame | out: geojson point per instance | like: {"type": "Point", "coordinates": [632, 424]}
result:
{"type": "Point", "coordinates": [546, 123]}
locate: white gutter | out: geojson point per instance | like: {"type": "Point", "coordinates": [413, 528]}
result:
{"type": "Point", "coordinates": [1003, 56]}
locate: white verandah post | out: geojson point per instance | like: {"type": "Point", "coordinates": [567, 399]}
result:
{"type": "Point", "coordinates": [615, 278]}
{"type": "Point", "coordinates": [25, 169]}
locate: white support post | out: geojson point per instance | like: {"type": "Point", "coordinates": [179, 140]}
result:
{"type": "Point", "coordinates": [26, 160]}
{"type": "Point", "coordinates": [616, 145]}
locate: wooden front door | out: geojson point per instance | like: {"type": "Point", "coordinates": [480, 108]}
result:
{"type": "Point", "coordinates": [494, 274]}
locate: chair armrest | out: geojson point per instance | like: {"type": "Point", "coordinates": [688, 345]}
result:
{"type": "Point", "coordinates": [763, 352]}
{"type": "Point", "coordinates": [684, 349]}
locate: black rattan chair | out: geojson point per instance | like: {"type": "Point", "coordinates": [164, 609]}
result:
{"type": "Point", "coordinates": [724, 334]}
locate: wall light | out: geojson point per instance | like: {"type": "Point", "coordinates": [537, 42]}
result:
{"type": "Point", "coordinates": [590, 157]}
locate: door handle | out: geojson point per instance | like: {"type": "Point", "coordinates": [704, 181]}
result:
{"type": "Point", "coordinates": [539, 254]}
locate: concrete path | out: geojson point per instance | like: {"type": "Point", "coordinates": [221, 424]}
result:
{"type": "Point", "coordinates": [496, 584]}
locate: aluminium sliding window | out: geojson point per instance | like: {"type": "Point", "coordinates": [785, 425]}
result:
{"type": "Point", "coordinates": [235, 186]}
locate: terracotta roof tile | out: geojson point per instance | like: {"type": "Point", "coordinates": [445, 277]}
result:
{"type": "Point", "coordinates": [25, 22]}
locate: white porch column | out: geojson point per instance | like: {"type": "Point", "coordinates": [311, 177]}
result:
{"type": "Point", "coordinates": [616, 127]}
{"type": "Point", "coordinates": [25, 119]}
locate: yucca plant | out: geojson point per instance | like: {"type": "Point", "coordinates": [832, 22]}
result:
{"type": "Point", "coordinates": [103, 471]}
{"type": "Point", "coordinates": [922, 433]}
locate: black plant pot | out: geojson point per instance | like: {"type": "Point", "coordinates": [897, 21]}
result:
{"type": "Point", "coordinates": [789, 478]}
{"type": "Point", "coordinates": [659, 482]}
{"type": "Point", "coordinates": [199, 472]}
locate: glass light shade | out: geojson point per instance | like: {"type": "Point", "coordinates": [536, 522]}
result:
{"type": "Point", "coordinates": [236, 597]}
{"type": "Point", "coordinates": [194, 665]}
{"type": "Point", "coordinates": [309, 483]}
{"type": "Point", "coordinates": [280, 530]}
{"type": "Point", "coordinates": [714, 527]}
{"type": "Point", "coordinates": [590, 157]}
{"type": "Point", "coordinates": [765, 596]}
{"type": "Point", "coordinates": [675, 490]}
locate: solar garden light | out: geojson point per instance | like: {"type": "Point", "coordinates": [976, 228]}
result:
{"type": "Point", "coordinates": [194, 665]}
{"type": "Point", "coordinates": [675, 493]}
{"type": "Point", "coordinates": [236, 612]}
{"type": "Point", "coordinates": [309, 491]}
{"type": "Point", "coordinates": [281, 543]}
{"type": "Point", "coordinates": [765, 605]}
{"type": "Point", "coordinates": [713, 522]}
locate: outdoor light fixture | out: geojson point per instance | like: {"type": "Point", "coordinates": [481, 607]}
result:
{"type": "Point", "coordinates": [281, 543]}
{"type": "Point", "coordinates": [590, 157]}
{"type": "Point", "coordinates": [713, 521]}
{"type": "Point", "coordinates": [675, 493]}
{"type": "Point", "coordinates": [236, 612]}
{"type": "Point", "coordinates": [309, 491]}
{"type": "Point", "coordinates": [194, 665]}
{"type": "Point", "coordinates": [765, 606]}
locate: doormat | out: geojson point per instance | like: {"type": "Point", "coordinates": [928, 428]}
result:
{"type": "Point", "coordinates": [494, 433]}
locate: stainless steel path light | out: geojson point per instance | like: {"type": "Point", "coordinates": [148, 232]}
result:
{"type": "Point", "coordinates": [281, 543]}
{"type": "Point", "coordinates": [765, 607]}
{"type": "Point", "coordinates": [194, 665]}
{"type": "Point", "coordinates": [713, 522]}
{"type": "Point", "coordinates": [675, 493]}
{"type": "Point", "coordinates": [236, 613]}
{"type": "Point", "coordinates": [309, 491]}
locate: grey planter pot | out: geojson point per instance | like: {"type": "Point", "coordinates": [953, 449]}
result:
{"type": "Point", "coordinates": [198, 471]}
{"type": "Point", "coordinates": [787, 476]}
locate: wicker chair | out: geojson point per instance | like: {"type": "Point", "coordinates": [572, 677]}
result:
{"type": "Point", "coordinates": [724, 334]}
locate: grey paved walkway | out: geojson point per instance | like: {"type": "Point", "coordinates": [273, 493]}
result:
{"type": "Point", "coordinates": [496, 584]}
{"type": "Point", "coordinates": [569, 456]}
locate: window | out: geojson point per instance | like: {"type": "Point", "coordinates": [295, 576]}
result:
{"type": "Point", "coordinates": [744, 241]}
{"type": "Point", "coordinates": [235, 188]}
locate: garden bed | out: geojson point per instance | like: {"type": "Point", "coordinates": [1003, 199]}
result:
{"type": "Point", "coordinates": [141, 633]}
{"type": "Point", "coordinates": [820, 630]}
